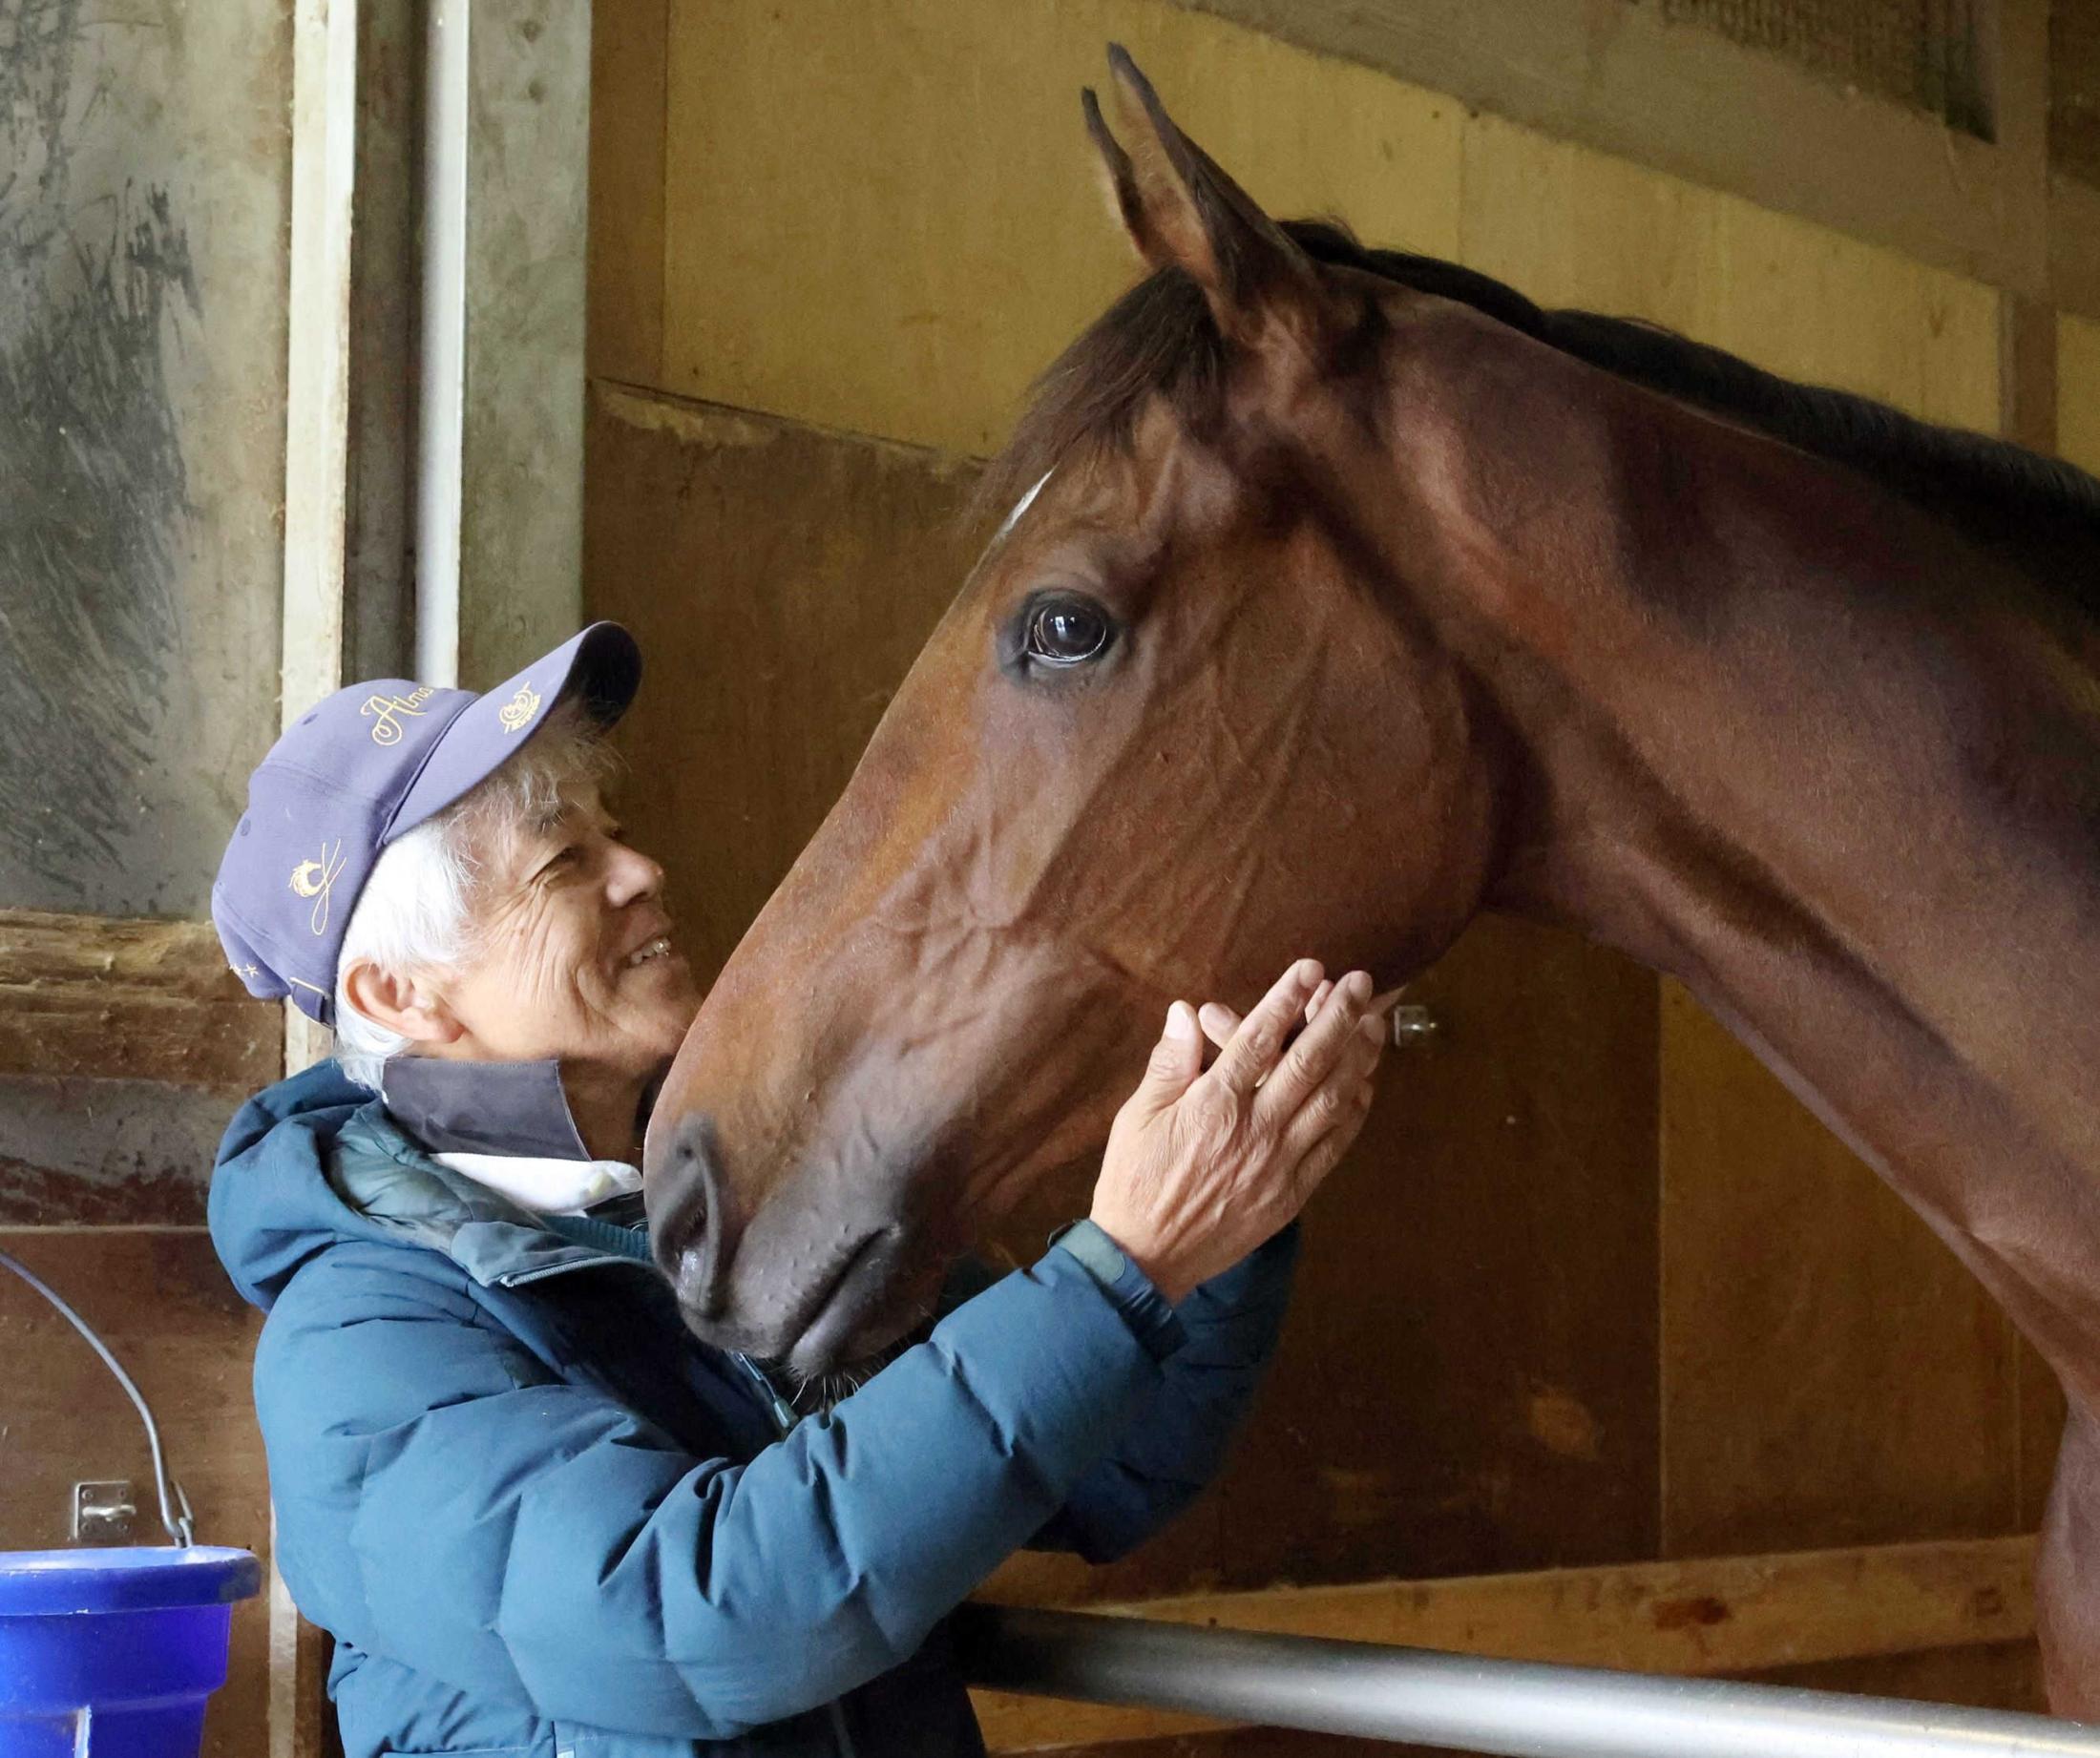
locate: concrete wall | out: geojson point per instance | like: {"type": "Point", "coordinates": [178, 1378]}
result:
{"type": "Point", "coordinates": [142, 272]}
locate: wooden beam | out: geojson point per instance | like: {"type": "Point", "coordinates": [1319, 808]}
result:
{"type": "Point", "coordinates": [1687, 100]}
{"type": "Point", "coordinates": [317, 410]}
{"type": "Point", "coordinates": [1718, 1615]}
{"type": "Point", "coordinates": [146, 1000]}
{"type": "Point", "coordinates": [318, 393]}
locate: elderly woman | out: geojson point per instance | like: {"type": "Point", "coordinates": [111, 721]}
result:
{"type": "Point", "coordinates": [536, 1515]}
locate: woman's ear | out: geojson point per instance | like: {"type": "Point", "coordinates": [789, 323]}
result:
{"type": "Point", "coordinates": [402, 1004]}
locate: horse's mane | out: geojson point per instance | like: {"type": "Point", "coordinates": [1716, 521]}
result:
{"type": "Point", "coordinates": [1158, 339]}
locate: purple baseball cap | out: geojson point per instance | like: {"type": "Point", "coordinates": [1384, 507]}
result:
{"type": "Point", "coordinates": [365, 767]}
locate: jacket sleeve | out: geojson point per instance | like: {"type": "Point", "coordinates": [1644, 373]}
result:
{"type": "Point", "coordinates": [1178, 1440]}
{"type": "Point", "coordinates": [443, 1500]}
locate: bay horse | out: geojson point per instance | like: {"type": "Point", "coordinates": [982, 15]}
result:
{"type": "Point", "coordinates": [1358, 594]}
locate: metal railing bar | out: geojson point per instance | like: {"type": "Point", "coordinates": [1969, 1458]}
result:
{"type": "Point", "coordinates": [1519, 1708]}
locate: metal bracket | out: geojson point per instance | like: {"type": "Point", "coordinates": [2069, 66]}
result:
{"type": "Point", "coordinates": [1413, 1026]}
{"type": "Point", "coordinates": [105, 1512]}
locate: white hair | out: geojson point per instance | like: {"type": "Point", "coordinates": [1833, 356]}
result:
{"type": "Point", "coordinates": [417, 915]}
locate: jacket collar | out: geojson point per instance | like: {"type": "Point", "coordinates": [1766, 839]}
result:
{"type": "Point", "coordinates": [512, 1108]}
{"type": "Point", "coordinates": [386, 1178]}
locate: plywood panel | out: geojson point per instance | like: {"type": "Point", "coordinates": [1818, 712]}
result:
{"type": "Point", "coordinates": [1831, 1374]}
{"type": "Point", "coordinates": [1573, 227]}
{"type": "Point", "coordinates": [630, 40]}
{"type": "Point", "coordinates": [886, 218]}
{"type": "Point", "coordinates": [1814, 306]}
{"type": "Point", "coordinates": [781, 582]}
{"type": "Point", "coordinates": [161, 1300]}
{"type": "Point", "coordinates": [1468, 1379]}
{"type": "Point", "coordinates": [2078, 391]}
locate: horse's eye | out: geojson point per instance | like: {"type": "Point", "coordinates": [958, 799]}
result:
{"type": "Point", "coordinates": [1066, 632]}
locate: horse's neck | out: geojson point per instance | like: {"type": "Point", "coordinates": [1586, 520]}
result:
{"type": "Point", "coordinates": [1849, 797]}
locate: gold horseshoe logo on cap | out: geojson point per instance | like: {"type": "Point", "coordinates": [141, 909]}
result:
{"type": "Point", "coordinates": [520, 708]}
{"type": "Point", "coordinates": [316, 879]}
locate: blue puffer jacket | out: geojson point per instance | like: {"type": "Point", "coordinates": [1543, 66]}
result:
{"type": "Point", "coordinates": [540, 1519]}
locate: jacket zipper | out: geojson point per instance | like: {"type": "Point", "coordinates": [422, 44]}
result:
{"type": "Point", "coordinates": [785, 1420]}
{"type": "Point", "coordinates": [522, 1278]}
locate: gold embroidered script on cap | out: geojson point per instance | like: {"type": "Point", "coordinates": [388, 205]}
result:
{"type": "Point", "coordinates": [520, 708]}
{"type": "Point", "coordinates": [386, 729]}
{"type": "Point", "coordinates": [316, 879]}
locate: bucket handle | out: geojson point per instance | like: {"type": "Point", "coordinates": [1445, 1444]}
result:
{"type": "Point", "coordinates": [174, 1506]}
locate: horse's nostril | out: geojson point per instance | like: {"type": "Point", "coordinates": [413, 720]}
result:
{"type": "Point", "coordinates": [685, 1216]}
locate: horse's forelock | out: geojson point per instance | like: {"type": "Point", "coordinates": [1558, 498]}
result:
{"type": "Point", "coordinates": [1159, 340]}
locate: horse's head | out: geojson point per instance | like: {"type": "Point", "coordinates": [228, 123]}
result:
{"type": "Point", "coordinates": [1186, 721]}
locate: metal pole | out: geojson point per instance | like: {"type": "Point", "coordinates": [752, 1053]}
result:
{"type": "Point", "coordinates": [1524, 1708]}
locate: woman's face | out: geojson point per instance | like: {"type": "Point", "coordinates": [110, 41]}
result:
{"type": "Point", "coordinates": [578, 961]}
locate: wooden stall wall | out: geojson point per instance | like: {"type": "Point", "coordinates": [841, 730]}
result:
{"type": "Point", "coordinates": [2078, 391]}
{"type": "Point", "coordinates": [1595, 1292]}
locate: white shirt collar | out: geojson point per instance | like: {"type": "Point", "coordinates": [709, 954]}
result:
{"type": "Point", "coordinates": [547, 1186]}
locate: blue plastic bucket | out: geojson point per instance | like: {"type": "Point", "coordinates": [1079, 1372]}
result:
{"type": "Point", "coordinates": [113, 1652]}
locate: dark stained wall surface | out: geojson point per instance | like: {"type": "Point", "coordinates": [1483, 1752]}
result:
{"type": "Point", "coordinates": [2074, 89]}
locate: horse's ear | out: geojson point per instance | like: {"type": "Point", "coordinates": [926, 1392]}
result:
{"type": "Point", "coordinates": [1182, 212]}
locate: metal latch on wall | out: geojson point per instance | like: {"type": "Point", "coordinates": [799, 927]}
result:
{"type": "Point", "coordinates": [105, 1512]}
{"type": "Point", "coordinates": [98, 1499]}
{"type": "Point", "coordinates": [1413, 1025]}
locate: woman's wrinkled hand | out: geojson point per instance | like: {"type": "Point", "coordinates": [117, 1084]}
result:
{"type": "Point", "coordinates": [1201, 1168]}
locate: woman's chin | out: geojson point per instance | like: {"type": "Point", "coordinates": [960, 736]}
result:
{"type": "Point", "coordinates": [665, 982]}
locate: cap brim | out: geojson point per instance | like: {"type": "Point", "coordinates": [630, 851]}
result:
{"type": "Point", "coordinates": [601, 667]}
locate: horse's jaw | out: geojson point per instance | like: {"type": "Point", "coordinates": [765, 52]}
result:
{"type": "Point", "coordinates": [812, 1177]}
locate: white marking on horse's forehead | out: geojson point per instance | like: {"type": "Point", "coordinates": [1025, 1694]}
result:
{"type": "Point", "coordinates": [1020, 507]}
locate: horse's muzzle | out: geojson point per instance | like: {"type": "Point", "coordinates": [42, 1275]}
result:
{"type": "Point", "coordinates": [688, 1217]}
